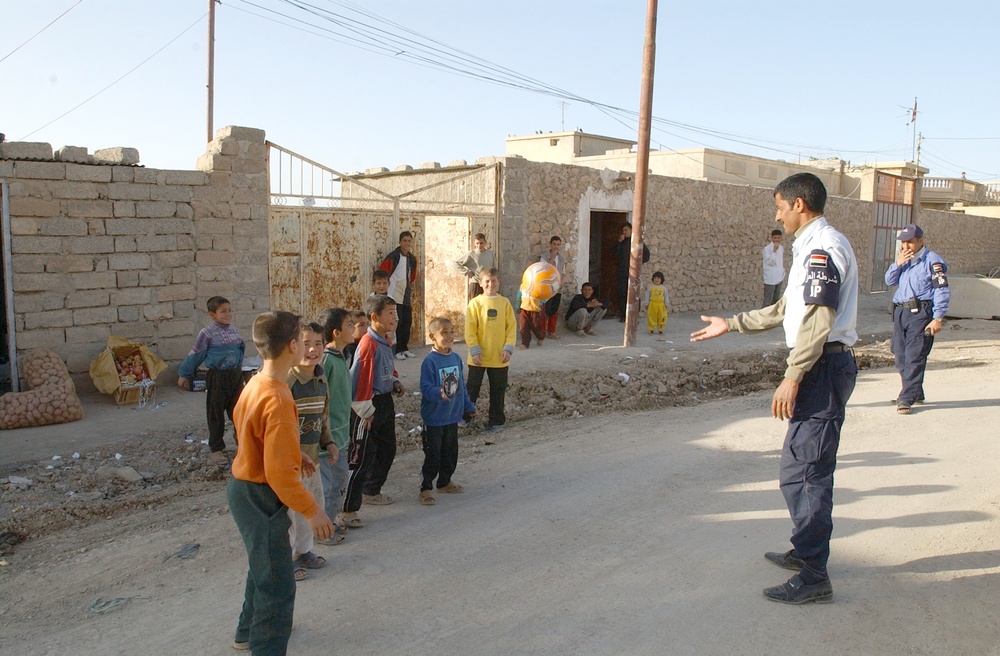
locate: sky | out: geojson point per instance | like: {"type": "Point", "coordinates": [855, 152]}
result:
{"type": "Point", "coordinates": [355, 85]}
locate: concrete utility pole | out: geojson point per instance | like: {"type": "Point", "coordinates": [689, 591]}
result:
{"type": "Point", "coordinates": [211, 68]}
{"type": "Point", "coordinates": [641, 175]}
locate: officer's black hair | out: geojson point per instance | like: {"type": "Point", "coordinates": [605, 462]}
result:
{"type": "Point", "coordinates": [805, 186]}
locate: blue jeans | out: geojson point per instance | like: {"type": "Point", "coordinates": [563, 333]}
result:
{"type": "Point", "coordinates": [809, 458]}
{"type": "Point", "coordinates": [334, 482]}
{"type": "Point", "coordinates": [269, 597]}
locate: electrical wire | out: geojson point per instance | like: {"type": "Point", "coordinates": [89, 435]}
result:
{"type": "Point", "coordinates": [40, 31]}
{"type": "Point", "coordinates": [132, 70]}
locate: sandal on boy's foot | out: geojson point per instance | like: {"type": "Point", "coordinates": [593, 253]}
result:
{"type": "Point", "coordinates": [309, 560]}
{"type": "Point", "coordinates": [451, 488]}
{"type": "Point", "coordinates": [426, 498]}
{"type": "Point", "coordinates": [301, 574]}
{"type": "Point", "coordinates": [521, 347]}
{"type": "Point", "coordinates": [335, 539]}
{"type": "Point", "coordinates": [591, 331]}
{"type": "Point", "coordinates": [218, 458]}
{"type": "Point", "coordinates": [350, 520]}
{"type": "Point", "coordinates": [580, 333]}
{"type": "Point", "coordinates": [903, 409]}
{"type": "Point", "coordinates": [376, 499]}
{"type": "Point", "coordinates": [241, 646]}
{"type": "Point", "coordinates": [552, 336]}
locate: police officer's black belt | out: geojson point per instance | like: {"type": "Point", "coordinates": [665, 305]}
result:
{"type": "Point", "coordinates": [912, 304]}
{"type": "Point", "coordinates": [834, 347]}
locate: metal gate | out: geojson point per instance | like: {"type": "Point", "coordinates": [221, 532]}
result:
{"type": "Point", "coordinates": [328, 231]}
{"type": "Point", "coordinates": [892, 209]}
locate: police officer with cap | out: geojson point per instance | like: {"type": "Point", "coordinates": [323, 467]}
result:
{"type": "Point", "coordinates": [919, 307]}
{"type": "Point", "coordinates": [819, 312]}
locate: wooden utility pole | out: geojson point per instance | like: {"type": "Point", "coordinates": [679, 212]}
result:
{"type": "Point", "coordinates": [211, 67]}
{"type": "Point", "coordinates": [641, 175]}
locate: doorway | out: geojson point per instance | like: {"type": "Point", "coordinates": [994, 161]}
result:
{"type": "Point", "coordinates": [445, 290]}
{"type": "Point", "coordinates": [605, 228]}
{"type": "Point", "coordinates": [8, 349]}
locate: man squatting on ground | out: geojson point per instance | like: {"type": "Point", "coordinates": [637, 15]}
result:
{"type": "Point", "coordinates": [819, 315]}
{"type": "Point", "coordinates": [919, 306]}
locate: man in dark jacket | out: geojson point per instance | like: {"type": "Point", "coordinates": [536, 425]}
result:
{"type": "Point", "coordinates": [401, 265]}
{"type": "Point", "coordinates": [622, 252]}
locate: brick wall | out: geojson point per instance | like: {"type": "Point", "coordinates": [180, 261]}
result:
{"type": "Point", "coordinates": [706, 236]}
{"type": "Point", "coordinates": [101, 250]}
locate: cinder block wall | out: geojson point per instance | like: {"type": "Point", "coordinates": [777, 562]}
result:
{"type": "Point", "coordinates": [706, 236]}
{"type": "Point", "coordinates": [101, 250]}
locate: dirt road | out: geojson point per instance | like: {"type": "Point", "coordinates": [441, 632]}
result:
{"type": "Point", "coordinates": [631, 533]}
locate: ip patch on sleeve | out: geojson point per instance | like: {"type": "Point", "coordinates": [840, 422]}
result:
{"type": "Point", "coordinates": [822, 285]}
{"type": "Point", "coordinates": [938, 277]}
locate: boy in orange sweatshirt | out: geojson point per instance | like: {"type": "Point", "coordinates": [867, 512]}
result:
{"type": "Point", "coordinates": [267, 478]}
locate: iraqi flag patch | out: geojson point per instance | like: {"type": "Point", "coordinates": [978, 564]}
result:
{"type": "Point", "coordinates": [818, 260]}
{"type": "Point", "coordinates": [822, 283]}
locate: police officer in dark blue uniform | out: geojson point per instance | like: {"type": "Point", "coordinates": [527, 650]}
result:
{"type": "Point", "coordinates": [919, 307]}
{"type": "Point", "coordinates": [819, 312]}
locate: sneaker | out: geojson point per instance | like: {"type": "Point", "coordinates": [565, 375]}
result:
{"type": "Point", "coordinates": [462, 423]}
{"type": "Point", "coordinates": [400, 356]}
{"type": "Point", "coordinates": [785, 560]}
{"type": "Point", "coordinates": [794, 591]}
{"type": "Point", "coordinates": [218, 458]}
{"type": "Point", "coordinates": [497, 429]}
{"type": "Point", "coordinates": [376, 499]}
{"type": "Point", "coordinates": [410, 354]}
{"type": "Point", "coordinates": [241, 646]}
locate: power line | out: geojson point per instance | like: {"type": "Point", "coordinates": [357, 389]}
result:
{"type": "Point", "coordinates": [415, 50]}
{"type": "Point", "coordinates": [137, 66]}
{"type": "Point", "coordinates": [40, 31]}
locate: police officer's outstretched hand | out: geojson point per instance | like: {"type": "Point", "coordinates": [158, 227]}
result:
{"type": "Point", "coordinates": [716, 326]}
{"type": "Point", "coordinates": [784, 399]}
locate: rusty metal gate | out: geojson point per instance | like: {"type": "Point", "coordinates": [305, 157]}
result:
{"type": "Point", "coordinates": [329, 231]}
{"type": "Point", "coordinates": [892, 209]}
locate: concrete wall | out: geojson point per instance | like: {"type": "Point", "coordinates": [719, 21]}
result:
{"type": "Point", "coordinates": [706, 236]}
{"type": "Point", "coordinates": [103, 250]}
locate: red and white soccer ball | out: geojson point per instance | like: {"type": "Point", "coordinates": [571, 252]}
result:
{"type": "Point", "coordinates": [540, 281]}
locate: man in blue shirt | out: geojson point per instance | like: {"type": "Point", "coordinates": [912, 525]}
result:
{"type": "Point", "coordinates": [919, 307]}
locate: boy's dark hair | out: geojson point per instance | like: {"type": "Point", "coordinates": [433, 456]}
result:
{"type": "Point", "coordinates": [487, 271]}
{"type": "Point", "coordinates": [332, 319]}
{"type": "Point", "coordinates": [776, 231]}
{"type": "Point", "coordinates": [805, 186]}
{"type": "Point", "coordinates": [405, 233]}
{"type": "Point", "coordinates": [586, 284]}
{"type": "Point", "coordinates": [379, 274]}
{"type": "Point", "coordinates": [555, 237]}
{"type": "Point", "coordinates": [376, 304]}
{"type": "Point", "coordinates": [312, 327]}
{"type": "Point", "coordinates": [479, 235]}
{"type": "Point", "coordinates": [627, 225]}
{"type": "Point", "coordinates": [437, 323]}
{"type": "Point", "coordinates": [358, 314]}
{"type": "Point", "coordinates": [659, 274]}
{"type": "Point", "coordinates": [272, 331]}
{"type": "Point", "coordinates": [214, 303]}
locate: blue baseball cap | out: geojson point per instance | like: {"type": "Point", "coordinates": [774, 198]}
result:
{"type": "Point", "coordinates": [909, 231]}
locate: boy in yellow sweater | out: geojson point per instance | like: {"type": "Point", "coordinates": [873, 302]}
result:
{"type": "Point", "coordinates": [267, 478]}
{"type": "Point", "coordinates": [490, 333]}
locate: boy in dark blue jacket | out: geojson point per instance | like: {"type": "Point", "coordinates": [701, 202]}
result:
{"type": "Point", "coordinates": [444, 399]}
{"type": "Point", "coordinates": [221, 348]}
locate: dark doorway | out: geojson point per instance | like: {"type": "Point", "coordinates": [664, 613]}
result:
{"type": "Point", "coordinates": [605, 228]}
{"type": "Point", "coordinates": [7, 368]}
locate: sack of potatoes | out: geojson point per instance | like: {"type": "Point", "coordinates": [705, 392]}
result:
{"type": "Point", "coordinates": [51, 398]}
